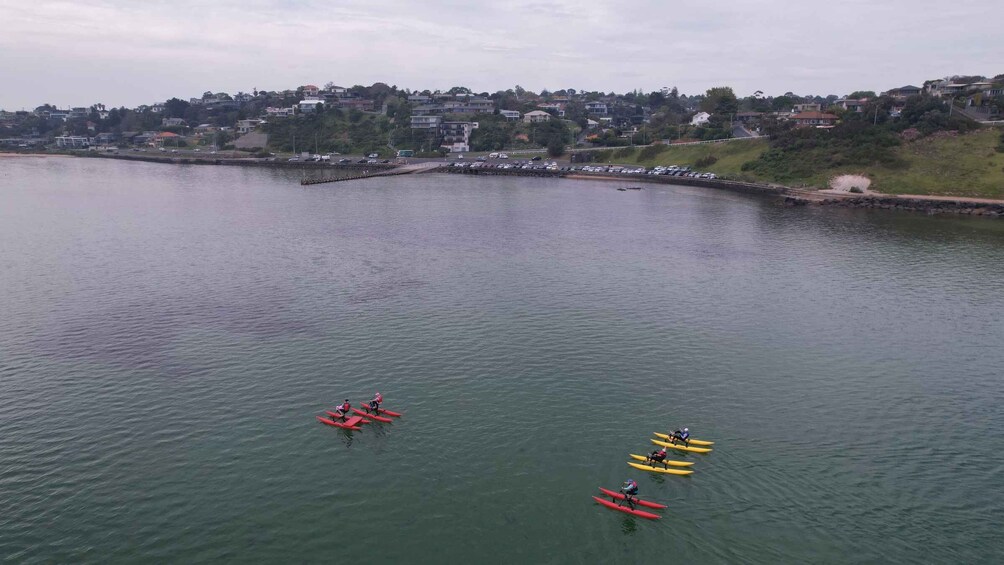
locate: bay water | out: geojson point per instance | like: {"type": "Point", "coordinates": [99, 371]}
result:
{"type": "Point", "coordinates": [169, 333]}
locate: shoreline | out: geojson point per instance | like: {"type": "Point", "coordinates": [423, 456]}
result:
{"type": "Point", "coordinates": [790, 196]}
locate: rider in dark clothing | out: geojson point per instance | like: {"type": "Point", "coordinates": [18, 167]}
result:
{"type": "Point", "coordinates": [682, 435]}
{"type": "Point", "coordinates": [657, 456]}
{"type": "Point", "coordinates": [630, 490]}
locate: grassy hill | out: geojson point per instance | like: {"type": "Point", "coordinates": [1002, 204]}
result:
{"type": "Point", "coordinates": [963, 165]}
{"type": "Point", "coordinates": [941, 164]}
{"type": "Point", "coordinates": [728, 157]}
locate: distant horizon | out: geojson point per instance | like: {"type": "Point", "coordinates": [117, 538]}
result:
{"type": "Point", "coordinates": [127, 54]}
{"type": "Point", "coordinates": [474, 90]}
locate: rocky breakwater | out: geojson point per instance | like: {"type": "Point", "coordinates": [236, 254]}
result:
{"type": "Point", "coordinates": [928, 205]}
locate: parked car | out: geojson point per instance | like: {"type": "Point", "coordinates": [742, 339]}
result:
{"type": "Point", "coordinates": [537, 158]}
{"type": "Point", "coordinates": [373, 155]}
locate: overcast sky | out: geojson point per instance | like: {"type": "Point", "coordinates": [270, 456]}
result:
{"type": "Point", "coordinates": [130, 52]}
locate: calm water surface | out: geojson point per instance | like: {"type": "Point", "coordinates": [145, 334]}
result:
{"type": "Point", "coordinates": [167, 335]}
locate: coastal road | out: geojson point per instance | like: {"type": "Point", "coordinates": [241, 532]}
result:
{"type": "Point", "coordinates": [738, 130]}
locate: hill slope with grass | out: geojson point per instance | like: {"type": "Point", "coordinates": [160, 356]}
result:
{"type": "Point", "coordinates": [942, 164]}
{"type": "Point", "coordinates": [963, 165]}
{"type": "Point", "coordinates": [723, 159]}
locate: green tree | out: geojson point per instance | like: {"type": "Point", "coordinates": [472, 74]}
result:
{"type": "Point", "coordinates": [720, 100]}
{"type": "Point", "coordinates": [175, 108]}
{"type": "Point", "coordinates": [555, 147]}
{"type": "Point", "coordinates": [782, 103]}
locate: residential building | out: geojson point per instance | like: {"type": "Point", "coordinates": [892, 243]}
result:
{"type": "Point", "coordinates": [106, 138]}
{"type": "Point", "coordinates": [596, 108]}
{"type": "Point", "coordinates": [945, 87]}
{"type": "Point", "coordinates": [426, 123]}
{"type": "Point", "coordinates": [360, 104]}
{"type": "Point", "coordinates": [468, 105]}
{"type": "Point", "coordinates": [310, 90]}
{"type": "Point", "coordinates": [172, 122]}
{"type": "Point", "coordinates": [479, 105]}
{"type": "Point", "coordinates": [310, 105]}
{"type": "Point", "coordinates": [814, 119]}
{"type": "Point", "coordinates": [73, 141]}
{"type": "Point", "coordinates": [280, 112]}
{"type": "Point", "coordinates": [749, 117]}
{"type": "Point", "coordinates": [559, 109]}
{"type": "Point", "coordinates": [166, 138]}
{"type": "Point", "coordinates": [510, 115]}
{"type": "Point", "coordinates": [536, 116]}
{"type": "Point", "coordinates": [457, 135]}
{"type": "Point", "coordinates": [247, 126]}
{"type": "Point", "coordinates": [903, 92]}
{"type": "Point", "coordinates": [852, 104]}
{"type": "Point", "coordinates": [807, 107]}
{"type": "Point", "coordinates": [428, 110]}
{"type": "Point", "coordinates": [700, 119]}
{"type": "Point", "coordinates": [144, 138]}
{"type": "Point", "coordinates": [457, 131]}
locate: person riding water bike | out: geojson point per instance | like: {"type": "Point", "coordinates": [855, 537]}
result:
{"type": "Point", "coordinates": [658, 456]}
{"type": "Point", "coordinates": [630, 490]}
{"type": "Point", "coordinates": [374, 404]}
{"type": "Point", "coordinates": [343, 408]}
{"type": "Point", "coordinates": [682, 435]}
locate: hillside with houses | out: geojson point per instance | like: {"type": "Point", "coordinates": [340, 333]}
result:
{"type": "Point", "coordinates": [808, 135]}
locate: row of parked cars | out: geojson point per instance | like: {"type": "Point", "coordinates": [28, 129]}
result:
{"type": "Point", "coordinates": [528, 165]}
{"type": "Point", "coordinates": [671, 170]}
